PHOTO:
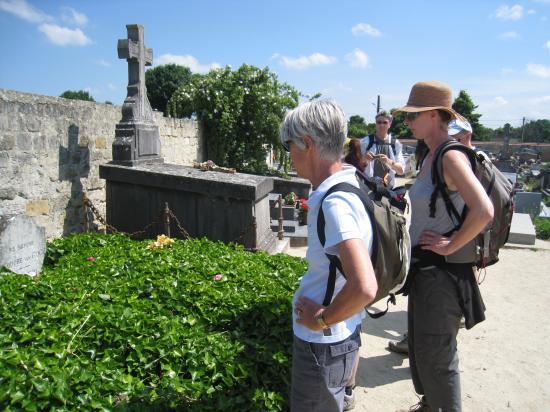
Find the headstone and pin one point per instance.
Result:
(522, 231)
(528, 202)
(136, 135)
(22, 244)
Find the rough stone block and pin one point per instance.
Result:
(7, 141)
(8, 193)
(100, 143)
(24, 141)
(522, 230)
(38, 207)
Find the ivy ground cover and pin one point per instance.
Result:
(113, 325)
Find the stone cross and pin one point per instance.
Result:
(136, 135)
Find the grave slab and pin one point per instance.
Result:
(22, 244)
(522, 230)
(220, 206)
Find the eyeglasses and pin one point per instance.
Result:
(410, 116)
(286, 145)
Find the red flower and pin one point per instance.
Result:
(91, 259)
(303, 203)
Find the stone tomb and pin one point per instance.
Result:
(219, 206)
(22, 245)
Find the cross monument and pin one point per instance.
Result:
(136, 135)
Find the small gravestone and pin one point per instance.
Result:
(22, 245)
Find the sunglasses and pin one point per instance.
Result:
(286, 145)
(410, 116)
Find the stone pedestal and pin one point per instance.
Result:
(220, 206)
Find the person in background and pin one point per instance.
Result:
(384, 154)
(327, 338)
(442, 285)
(462, 131)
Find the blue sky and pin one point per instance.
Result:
(351, 51)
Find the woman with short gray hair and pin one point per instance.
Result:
(327, 329)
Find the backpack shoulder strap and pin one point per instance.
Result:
(392, 144)
(439, 182)
(371, 142)
(334, 261)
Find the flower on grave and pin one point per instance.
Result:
(217, 276)
(91, 259)
(290, 199)
(303, 203)
(161, 242)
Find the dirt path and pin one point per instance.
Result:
(504, 361)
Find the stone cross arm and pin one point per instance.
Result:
(130, 49)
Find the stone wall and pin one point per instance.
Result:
(51, 149)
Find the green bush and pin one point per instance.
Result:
(112, 325)
(542, 228)
(240, 112)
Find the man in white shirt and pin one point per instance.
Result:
(384, 153)
(327, 337)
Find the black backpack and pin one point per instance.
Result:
(391, 243)
(486, 245)
(371, 143)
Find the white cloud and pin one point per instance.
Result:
(71, 16)
(63, 36)
(358, 58)
(111, 87)
(539, 70)
(103, 63)
(186, 60)
(304, 62)
(363, 29)
(500, 101)
(541, 100)
(25, 11)
(531, 11)
(507, 71)
(509, 35)
(509, 13)
(547, 45)
(542, 1)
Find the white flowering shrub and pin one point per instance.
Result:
(240, 112)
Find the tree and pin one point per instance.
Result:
(240, 112)
(464, 105)
(398, 129)
(163, 81)
(77, 95)
(357, 128)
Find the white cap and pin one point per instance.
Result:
(456, 126)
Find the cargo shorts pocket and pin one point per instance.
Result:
(342, 358)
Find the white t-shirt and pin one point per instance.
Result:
(345, 218)
(397, 157)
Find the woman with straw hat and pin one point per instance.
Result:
(442, 282)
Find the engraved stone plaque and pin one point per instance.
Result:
(22, 244)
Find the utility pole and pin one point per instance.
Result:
(522, 129)
(378, 104)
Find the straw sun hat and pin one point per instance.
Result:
(430, 95)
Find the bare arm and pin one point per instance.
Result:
(459, 177)
(359, 290)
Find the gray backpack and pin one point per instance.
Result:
(483, 249)
(391, 246)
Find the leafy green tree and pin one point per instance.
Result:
(536, 131)
(163, 81)
(77, 95)
(464, 105)
(240, 112)
(358, 128)
(398, 129)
